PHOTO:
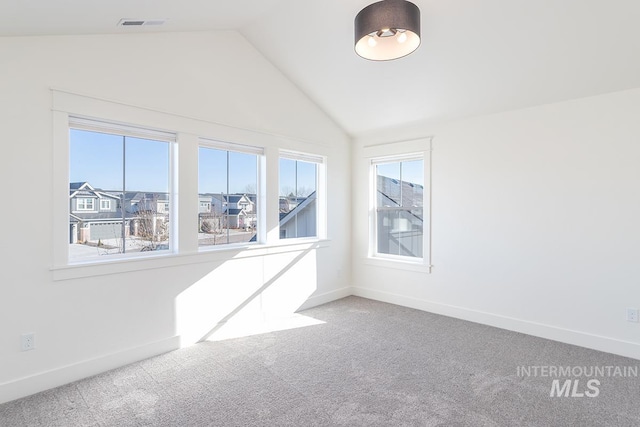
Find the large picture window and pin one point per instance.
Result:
(298, 201)
(227, 194)
(125, 171)
(399, 200)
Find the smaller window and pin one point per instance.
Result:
(84, 205)
(398, 207)
(298, 203)
(105, 205)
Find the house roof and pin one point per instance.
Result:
(392, 192)
(234, 198)
(286, 217)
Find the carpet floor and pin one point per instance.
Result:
(368, 364)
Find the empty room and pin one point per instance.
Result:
(336, 213)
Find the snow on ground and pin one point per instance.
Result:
(82, 252)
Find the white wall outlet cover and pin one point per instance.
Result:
(28, 341)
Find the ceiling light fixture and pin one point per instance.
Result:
(388, 29)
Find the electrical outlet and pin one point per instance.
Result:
(28, 341)
(632, 315)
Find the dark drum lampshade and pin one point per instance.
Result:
(388, 29)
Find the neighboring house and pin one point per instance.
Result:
(301, 221)
(289, 203)
(402, 229)
(204, 204)
(241, 211)
(94, 214)
(97, 215)
(148, 202)
(240, 201)
(236, 218)
(150, 215)
(392, 192)
(220, 211)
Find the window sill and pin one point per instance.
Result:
(399, 264)
(117, 266)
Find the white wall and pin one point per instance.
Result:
(111, 316)
(536, 222)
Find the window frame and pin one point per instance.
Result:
(259, 152)
(321, 201)
(400, 261)
(105, 204)
(184, 205)
(119, 129)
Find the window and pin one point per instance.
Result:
(130, 166)
(398, 207)
(298, 202)
(84, 204)
(227, 194)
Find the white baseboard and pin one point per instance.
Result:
(32, 384)
(26, 386)
(326, 297)
(582, 339)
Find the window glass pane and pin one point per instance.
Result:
(298, 199)
(306, 179)
(400, 232)
(95, 158)
(146, 165)
(399, 214)
(243, 185)
(287, 180)
(227, 199)
(388, 184)
(412, 183)
(147, 194)
(119, 195)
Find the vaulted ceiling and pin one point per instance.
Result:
(477, 57)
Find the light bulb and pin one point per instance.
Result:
(372, 41)
(402, 37)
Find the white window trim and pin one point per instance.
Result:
(115, 128)
(321, 194)
(230, 146)
(105, 204)
(189, 131)
(422, 264)
(120, 129)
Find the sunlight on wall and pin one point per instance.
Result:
(292, 278)
(244, 296)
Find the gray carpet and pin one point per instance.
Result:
(370, 364)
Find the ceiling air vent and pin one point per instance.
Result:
(140, 22)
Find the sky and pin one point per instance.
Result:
(97, 158)
(297, 177)
(212, 171)
(411, 171)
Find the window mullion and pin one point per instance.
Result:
(124, 189)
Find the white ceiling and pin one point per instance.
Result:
(477, 57)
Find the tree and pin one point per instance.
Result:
(150, 227)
